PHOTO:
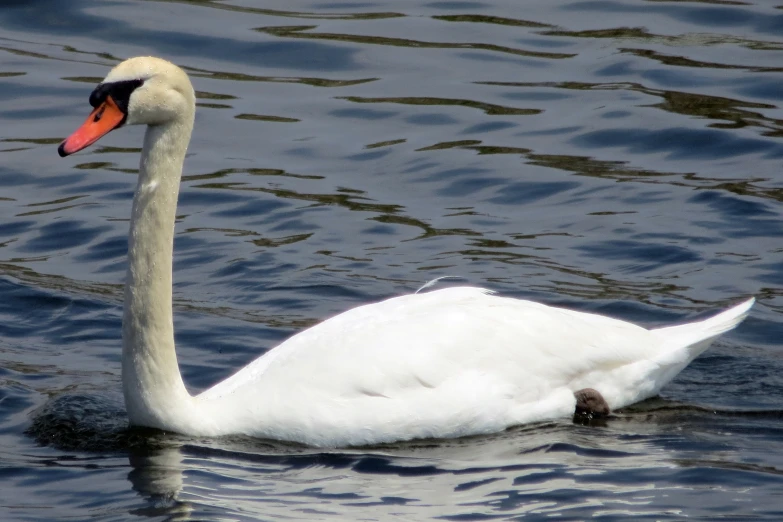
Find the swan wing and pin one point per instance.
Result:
(443, 363)
(425, 339)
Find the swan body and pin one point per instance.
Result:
(447, 363)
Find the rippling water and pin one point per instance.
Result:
(622, 157)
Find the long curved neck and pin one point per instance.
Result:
(154, 392)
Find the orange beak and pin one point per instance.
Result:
(104, 119)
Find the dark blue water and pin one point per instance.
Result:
(616, 157)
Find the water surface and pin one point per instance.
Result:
(620, 157)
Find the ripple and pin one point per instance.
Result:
(63, 235)
(681, 143)
(608, 156)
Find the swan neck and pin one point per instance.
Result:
(155, 394)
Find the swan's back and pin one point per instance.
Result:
(430, 337)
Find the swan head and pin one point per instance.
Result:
(139, 91)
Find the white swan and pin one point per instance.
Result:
(447, 363)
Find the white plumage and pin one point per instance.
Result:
(446, 363)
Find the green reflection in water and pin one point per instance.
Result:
(729, 110)
(297, 31)
(488, 108)
(261, 117)
(37, 141)
(485, 19)
(682, 40)
(449, 145)
(681, 61)
(216, 4)
(241, 77)
(385, 143)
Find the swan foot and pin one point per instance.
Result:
(590, 405)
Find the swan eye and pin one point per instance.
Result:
(119, 91)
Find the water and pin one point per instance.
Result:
(617, 157)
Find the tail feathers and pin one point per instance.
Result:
(708, 329)
(680, 345)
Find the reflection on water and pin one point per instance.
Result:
(618, 157)
(639, 464)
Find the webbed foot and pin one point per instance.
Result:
(590, 404)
